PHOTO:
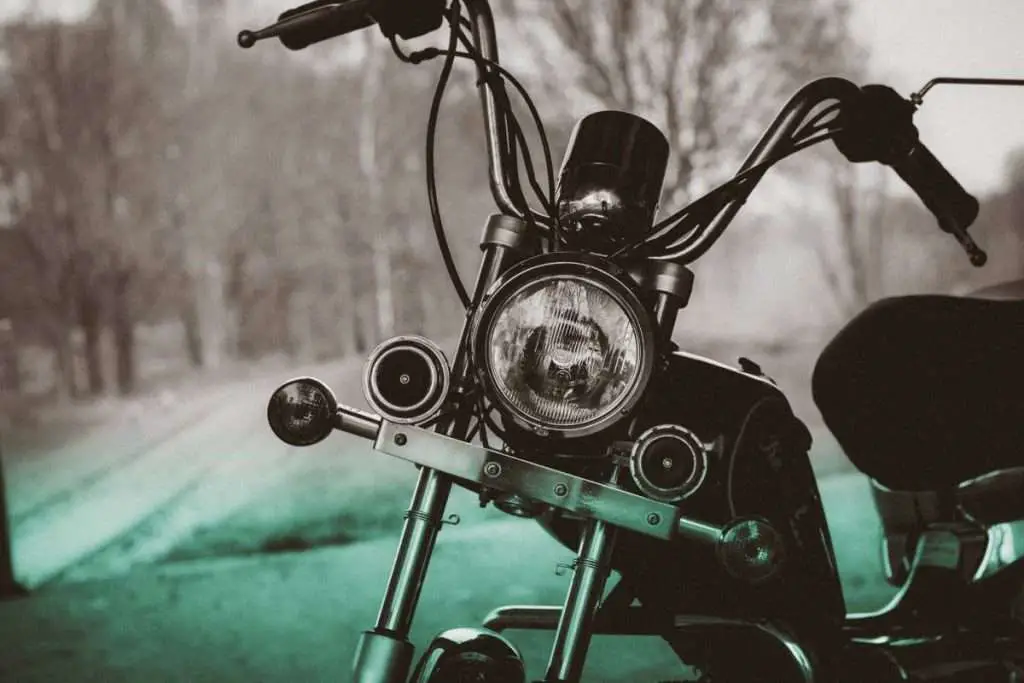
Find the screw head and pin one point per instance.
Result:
(561, 490)
(654, 519)
(492, 469)
(401, 439)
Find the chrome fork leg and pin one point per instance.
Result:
(385, 653)
(575, 626)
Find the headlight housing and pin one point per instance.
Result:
(563, 344)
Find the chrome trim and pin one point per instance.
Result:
(598, 272)
(419, 533)
(722, 366)
(1005, 546)
(697, 449)
(576, 620)
(523, 617)
(440, 376)
(976, 497)
(356, 422)
(796, 651)
(545, 617)
(381, 658)
(504, 472)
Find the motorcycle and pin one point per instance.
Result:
(689, 478)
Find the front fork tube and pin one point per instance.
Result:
(384, 654)
(575, 626)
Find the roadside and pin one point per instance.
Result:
(75, 502)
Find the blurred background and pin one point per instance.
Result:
(184, 225)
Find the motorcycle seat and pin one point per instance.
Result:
(924, 392)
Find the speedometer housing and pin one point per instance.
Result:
(564, 344)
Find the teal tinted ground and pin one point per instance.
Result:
(296, 617)
(219, 483)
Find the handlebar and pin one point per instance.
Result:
(945, 197)
(320, 20)
(877, 126)
(954, 208)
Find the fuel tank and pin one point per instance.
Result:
(758, 465)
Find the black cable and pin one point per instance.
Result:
(717, 198)
(435, 211)
(531, 175)
(534, 114)
(477, 427)
(810, 127)
(517, 136)
(815, 124)
(752, 175)
(515, 129)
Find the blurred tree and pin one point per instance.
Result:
(711, 74)
(1015, 192)
(851, 248)
(707, 72)
(90, 173)
(38, 171)
(136, 46)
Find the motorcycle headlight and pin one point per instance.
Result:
(564, 345)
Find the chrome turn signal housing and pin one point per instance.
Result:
(563, 344)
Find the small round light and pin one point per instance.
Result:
(668, 463)
(302, 412)
(406, 379)
(751, 549)
(564, 344)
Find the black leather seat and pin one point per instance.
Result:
(924, 392)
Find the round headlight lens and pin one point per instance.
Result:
(563, 352)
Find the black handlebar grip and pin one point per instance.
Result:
(317, 21)
(954, 207)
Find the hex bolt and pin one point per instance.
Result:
(401, 439)
(492, 469)
(654, 519)
(561, 490)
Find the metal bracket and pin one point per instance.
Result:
(503, 472)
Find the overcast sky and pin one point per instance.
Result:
(970, 129)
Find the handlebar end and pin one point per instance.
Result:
(246, 39)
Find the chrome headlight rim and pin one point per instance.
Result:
(596, 271)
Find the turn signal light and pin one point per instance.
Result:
(302, 412)
(751, 549)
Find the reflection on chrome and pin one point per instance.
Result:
(1005, 546)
